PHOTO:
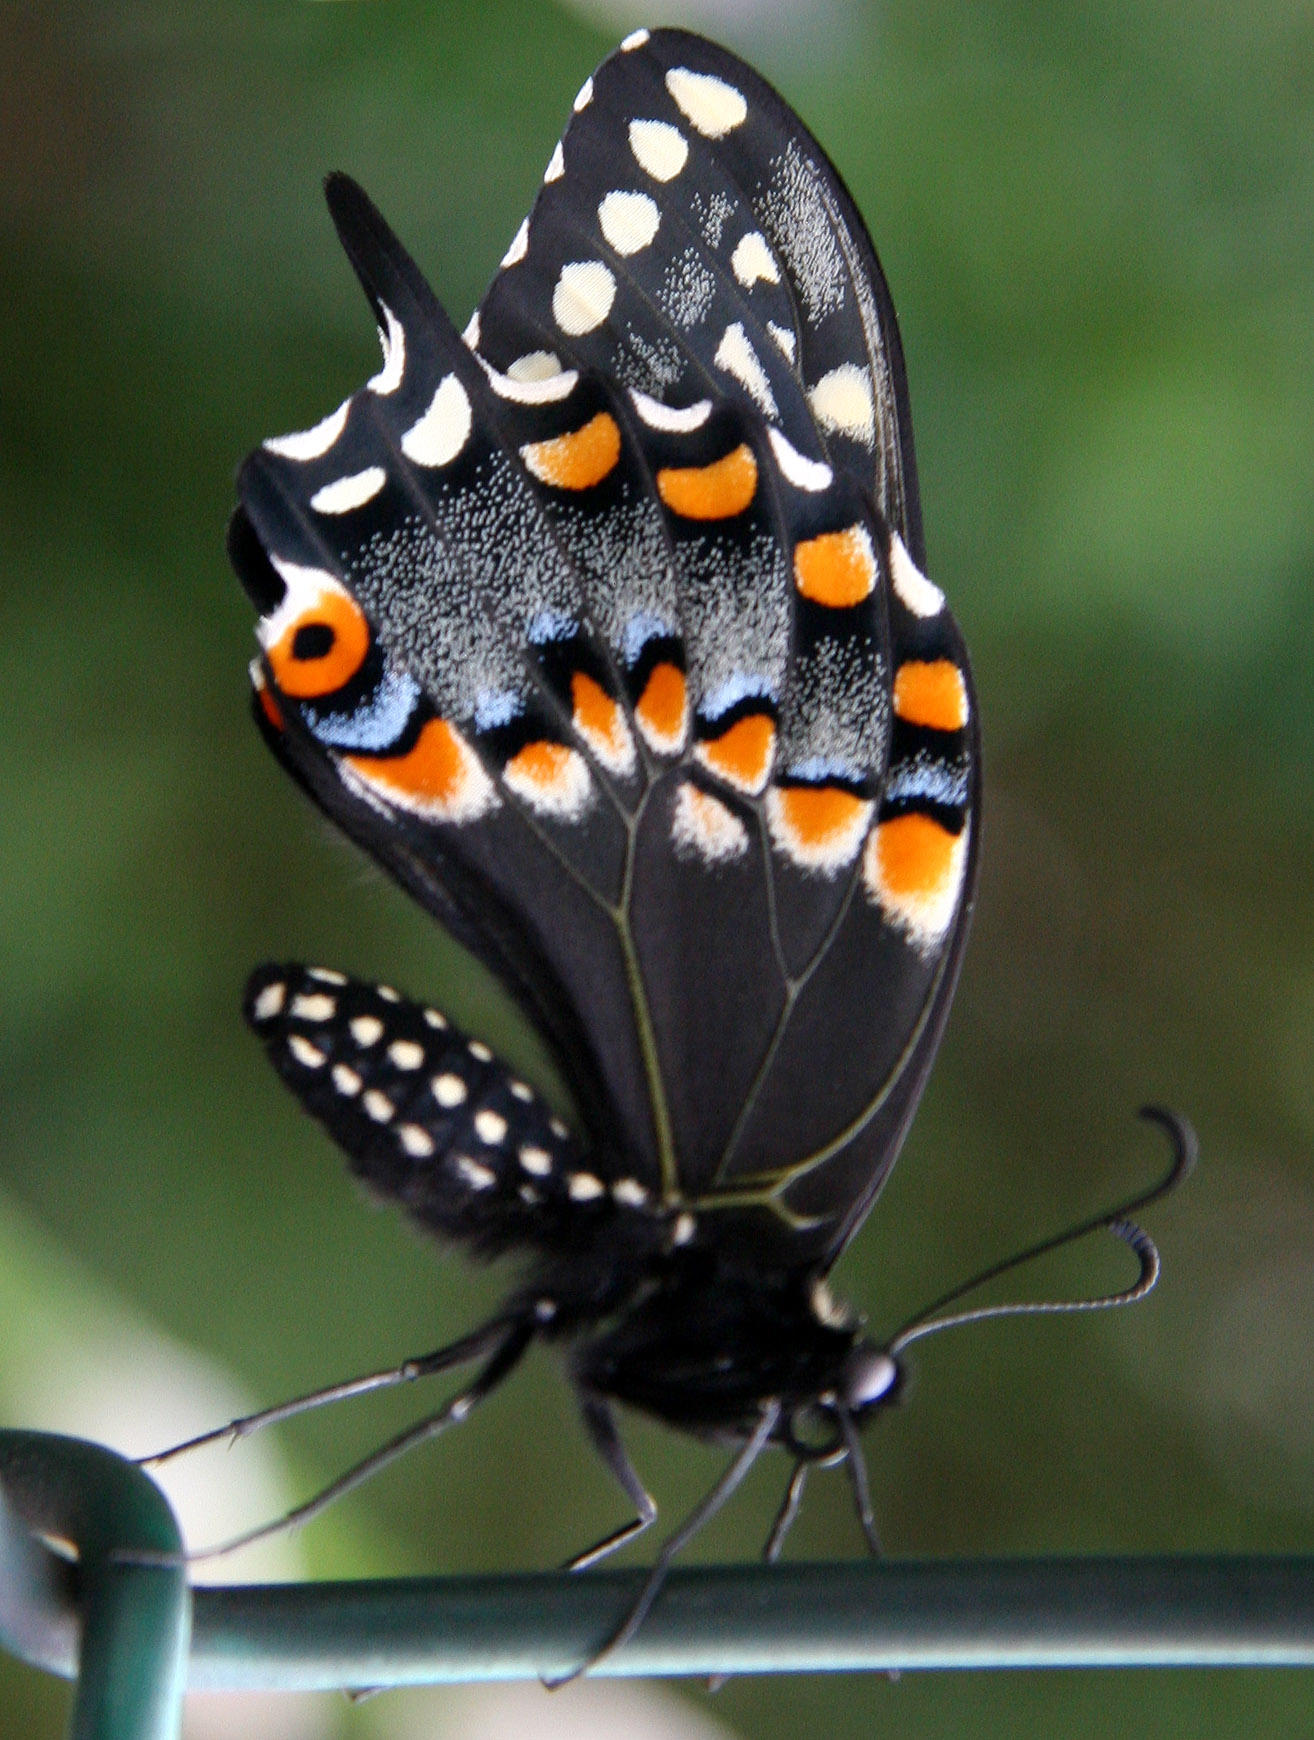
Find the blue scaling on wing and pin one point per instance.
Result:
(604, 626)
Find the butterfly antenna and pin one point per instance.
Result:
(1185, 1148)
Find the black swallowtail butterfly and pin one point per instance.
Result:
(603, 626)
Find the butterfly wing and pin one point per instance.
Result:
(603, 627)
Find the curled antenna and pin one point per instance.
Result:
(1115, 1220)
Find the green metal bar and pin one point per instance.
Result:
(121, 1626)
(1123, 1612)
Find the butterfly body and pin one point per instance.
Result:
(603, 627)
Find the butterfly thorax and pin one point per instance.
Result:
(707, 1346)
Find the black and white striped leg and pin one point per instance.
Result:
(604, 1435)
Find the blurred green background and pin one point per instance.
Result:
(1096, 222)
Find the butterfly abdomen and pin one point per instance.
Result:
(432, 1119)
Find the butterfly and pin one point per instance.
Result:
(604, 627)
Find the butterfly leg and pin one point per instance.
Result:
(701, 1514)
(509, 1339)
(857, 1467)
(604, 1435)
(469, 1347)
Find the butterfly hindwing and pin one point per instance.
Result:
(603, 626)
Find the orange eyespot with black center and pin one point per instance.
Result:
(317, 640)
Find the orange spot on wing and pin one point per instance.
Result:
(821, 816)
(742, 755)
(599, 720)
(441, 775)
(662, 707)
(836, 569)
(335, 621)
(916, 858)
(552, 777)
(931, 692)
(579, 459)
(710, 492)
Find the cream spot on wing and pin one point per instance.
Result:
(521, 1091)
(796, 467)
(536, 1161)
(346, 1080)
(433, 1019)
(535, 365)
(392, 337)
(753, 260)
(405, 1054)
(556, 164)
(737, 357)
(551, 777)
(659, 148)
(671, 419)
(537, 390)
(703, 825)
(918, 594)
(387, 993)
(439, 435)
(784, 338)
(346, 494)
(311, 443)
(635, 39)
(416, 1140)
(366, 1030)
(519, 246)
(314, 1006)
(326, 975)
(629, 1193)
(841, 400)
(684, 1229)
(449, 1090)
(471, 333)
(307, 1055)
(583, 296)
(628, 221)
(584, 96)
(711, 105)
(479, 1051)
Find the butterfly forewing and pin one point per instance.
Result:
(603, 627)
